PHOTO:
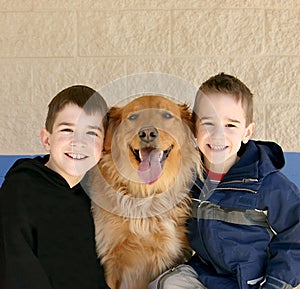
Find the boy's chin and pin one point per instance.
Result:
(215, 163)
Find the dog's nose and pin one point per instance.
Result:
(148, 133)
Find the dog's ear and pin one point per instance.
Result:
(114, 119)
(186, 115)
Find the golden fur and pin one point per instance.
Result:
(140, 227)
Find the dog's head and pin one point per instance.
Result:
(148, 139)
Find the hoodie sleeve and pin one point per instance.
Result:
(282, 199)
(19, 265)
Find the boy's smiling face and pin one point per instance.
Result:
(220, 129)
(75, 144)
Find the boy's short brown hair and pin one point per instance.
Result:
(227, 84)
(83, 96)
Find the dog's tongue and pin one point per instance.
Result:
(150, 168)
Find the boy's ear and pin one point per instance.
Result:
(45, 139)
(248, 133)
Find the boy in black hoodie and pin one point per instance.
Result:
(46, 226)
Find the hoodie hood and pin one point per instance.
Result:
(36, 167)
(271, 155)
(257, 160)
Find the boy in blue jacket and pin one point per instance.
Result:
(245, 228)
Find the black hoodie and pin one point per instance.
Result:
(46, 231)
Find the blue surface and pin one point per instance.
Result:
(6, 161)
(291, 168)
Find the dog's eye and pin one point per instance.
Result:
(134, 116)
(167, 115)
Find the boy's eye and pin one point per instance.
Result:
(207, 123)
(230, 125)
(66, 130)
(93, 133)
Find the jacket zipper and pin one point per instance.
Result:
(245, 180)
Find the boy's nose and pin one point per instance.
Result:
(218, 131)
(78, 140)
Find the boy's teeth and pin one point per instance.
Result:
(76, 156)
(217, 147)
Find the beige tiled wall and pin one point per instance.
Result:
(46, 45)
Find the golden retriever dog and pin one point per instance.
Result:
(140, 190)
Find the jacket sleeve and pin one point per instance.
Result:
(19, 264)
(282, 199)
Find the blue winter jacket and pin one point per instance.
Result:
(246, 231)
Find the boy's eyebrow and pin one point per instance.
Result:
(66, 123)
(94, 127)
(205, 117)
(210, 117)
(72, 124)
(234, 120)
